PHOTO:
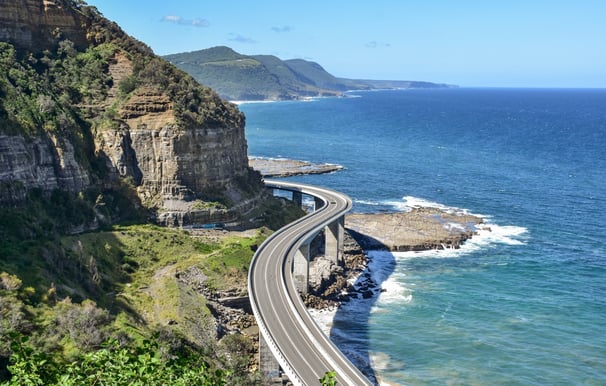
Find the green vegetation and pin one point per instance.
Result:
(70, 293)
(66, 90)
(240, 77)
(258, 77)
(121, 284)
(113, 364)
(80, 295)
(329, 379)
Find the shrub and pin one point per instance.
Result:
(111, 365)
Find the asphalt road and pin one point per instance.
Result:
(304, 352)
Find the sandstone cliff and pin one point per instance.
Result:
(40, 23)
(84, 106)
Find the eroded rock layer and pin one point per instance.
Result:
(176, 142)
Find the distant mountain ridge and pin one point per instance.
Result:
(266, 77)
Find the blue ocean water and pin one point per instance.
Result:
(521, 304)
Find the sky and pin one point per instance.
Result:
(470, 43)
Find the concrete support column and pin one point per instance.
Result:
(268, 364)
(297, 198)
(334, 234)
(301, 268)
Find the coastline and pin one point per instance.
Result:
(363, 273)
(420, 229)
(514, 294)
(370, 241)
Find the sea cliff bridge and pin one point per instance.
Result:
(289, 338)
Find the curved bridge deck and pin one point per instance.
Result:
(303, 351)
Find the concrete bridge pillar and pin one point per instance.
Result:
(334, 234)
(297, 198)
(301, 268)
(268, 364)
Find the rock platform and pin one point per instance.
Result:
(282, 167)
(416, 230)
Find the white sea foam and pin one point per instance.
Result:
(324, 318)
(393, 291)
(384, 271)
(367, 202)
(411, 202)
(383, 362)
(487, 236)
(394, 288)
(248, 102)
(488, 233)
(381, 265)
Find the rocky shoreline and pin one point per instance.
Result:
(334, 284)
(416, 230)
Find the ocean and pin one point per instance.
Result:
(521, 304)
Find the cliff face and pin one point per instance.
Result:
(45, 162)
(39, 23)
(176, 142)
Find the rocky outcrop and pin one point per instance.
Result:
(40, 23)
(416, 230)
(282, 167)
(46, 162)
(174, 164)
(176, 142)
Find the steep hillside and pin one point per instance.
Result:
(240, 77)
(98, 136)
(266, 77)
(85, 108)
(313, 73)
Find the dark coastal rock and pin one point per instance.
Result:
(418, 229)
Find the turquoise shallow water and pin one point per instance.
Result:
(523, 304)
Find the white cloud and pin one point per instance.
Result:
(375, 44)
(241, 39)
(282, 29)
(187, 22)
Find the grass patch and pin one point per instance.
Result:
(227, 267)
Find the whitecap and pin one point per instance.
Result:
(394, 291)
(324, 318)
(367, 202)
(379, 360)
(393, 287)
(385, 363)
(491, 234)
(250, 102)
(381, 265)
(410, 202)
(486, 236)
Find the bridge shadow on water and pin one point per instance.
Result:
(350, 329)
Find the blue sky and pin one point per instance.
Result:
(530, 43)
